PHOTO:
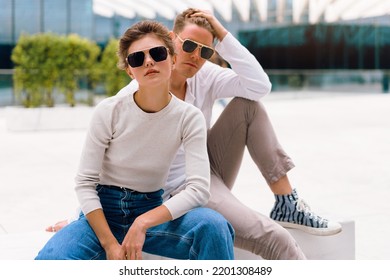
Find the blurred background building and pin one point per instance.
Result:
(299, 42)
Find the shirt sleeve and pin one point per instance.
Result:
(246, 78)
(129, 88)
(195, 191)
(97, 140)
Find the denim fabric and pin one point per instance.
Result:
(201, 234)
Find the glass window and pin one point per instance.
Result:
(6, 31)
(81, 17)
(55, 16)
(27, 17)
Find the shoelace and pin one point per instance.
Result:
(302, 206)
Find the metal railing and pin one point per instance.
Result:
(282, 80)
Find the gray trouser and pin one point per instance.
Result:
(245, 123)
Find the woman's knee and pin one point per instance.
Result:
(214, 224)
(53, 250)
(77, 241)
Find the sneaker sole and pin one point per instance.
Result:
(311, 230)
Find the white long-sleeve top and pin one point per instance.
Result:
(246, 79)
(130, 148)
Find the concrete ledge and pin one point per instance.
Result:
(336, 247)
(25, 246)
(340, 246)
(56, 118)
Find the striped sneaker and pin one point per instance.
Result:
(292, 212)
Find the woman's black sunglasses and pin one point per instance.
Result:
(136, 59)
(189, 46)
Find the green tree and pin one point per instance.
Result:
(78, 59)
(47, 61)
(36, 71)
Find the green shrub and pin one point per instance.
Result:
(36, 71)
(78, 60)
(46, 61)
(295, 81)
(114, 78)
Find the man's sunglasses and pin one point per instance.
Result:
(189, 46)
(136, 59)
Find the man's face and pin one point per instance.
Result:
(188, 64)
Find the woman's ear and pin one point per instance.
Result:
(172, 35)
(128, 71)
(173, 61)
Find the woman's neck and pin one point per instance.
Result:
(152, 100)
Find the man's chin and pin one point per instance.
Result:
(191, 68)
(187, 72)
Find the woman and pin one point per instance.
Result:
(130, 145)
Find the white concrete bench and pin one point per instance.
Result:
(25, 246)
(336, 247)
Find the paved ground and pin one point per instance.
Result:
(340, 143)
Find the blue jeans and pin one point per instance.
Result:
(200, 234)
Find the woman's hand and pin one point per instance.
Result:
(98, 222)
(134, 241)
(135, 238)
(115, 252)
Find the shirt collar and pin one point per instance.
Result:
(190, 97)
